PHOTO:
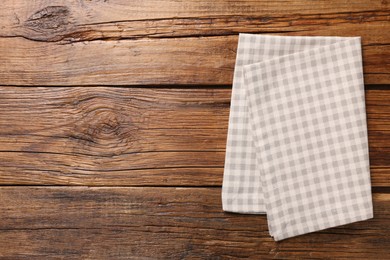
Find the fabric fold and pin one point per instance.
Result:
(297, 146)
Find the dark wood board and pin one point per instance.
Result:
(168, 42)
(135, 136)
(165, 223)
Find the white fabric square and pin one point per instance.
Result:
(297, 145)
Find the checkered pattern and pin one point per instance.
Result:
(297, 142)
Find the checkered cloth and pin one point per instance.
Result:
(297, 145)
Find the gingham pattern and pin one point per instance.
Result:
(297, 140)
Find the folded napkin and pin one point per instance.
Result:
(297, 146)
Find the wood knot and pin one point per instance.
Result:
(49, 19)
(106, 129)
(109, 126)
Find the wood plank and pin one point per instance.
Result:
(65, 21)
(135, 136)
(71, 36)
(122, 223)
(184, 61)
(14, 12)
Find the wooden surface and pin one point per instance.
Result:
(113, 122)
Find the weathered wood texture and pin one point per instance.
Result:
(135, 136)
(117, 43)
(138, 105)
(169, 223)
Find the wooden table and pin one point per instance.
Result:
(113, 122)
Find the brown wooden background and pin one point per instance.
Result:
(113, 122)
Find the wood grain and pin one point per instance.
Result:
(135, 136)
(164, 223)
(113, 43)
(119, 10)
(100, 96)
